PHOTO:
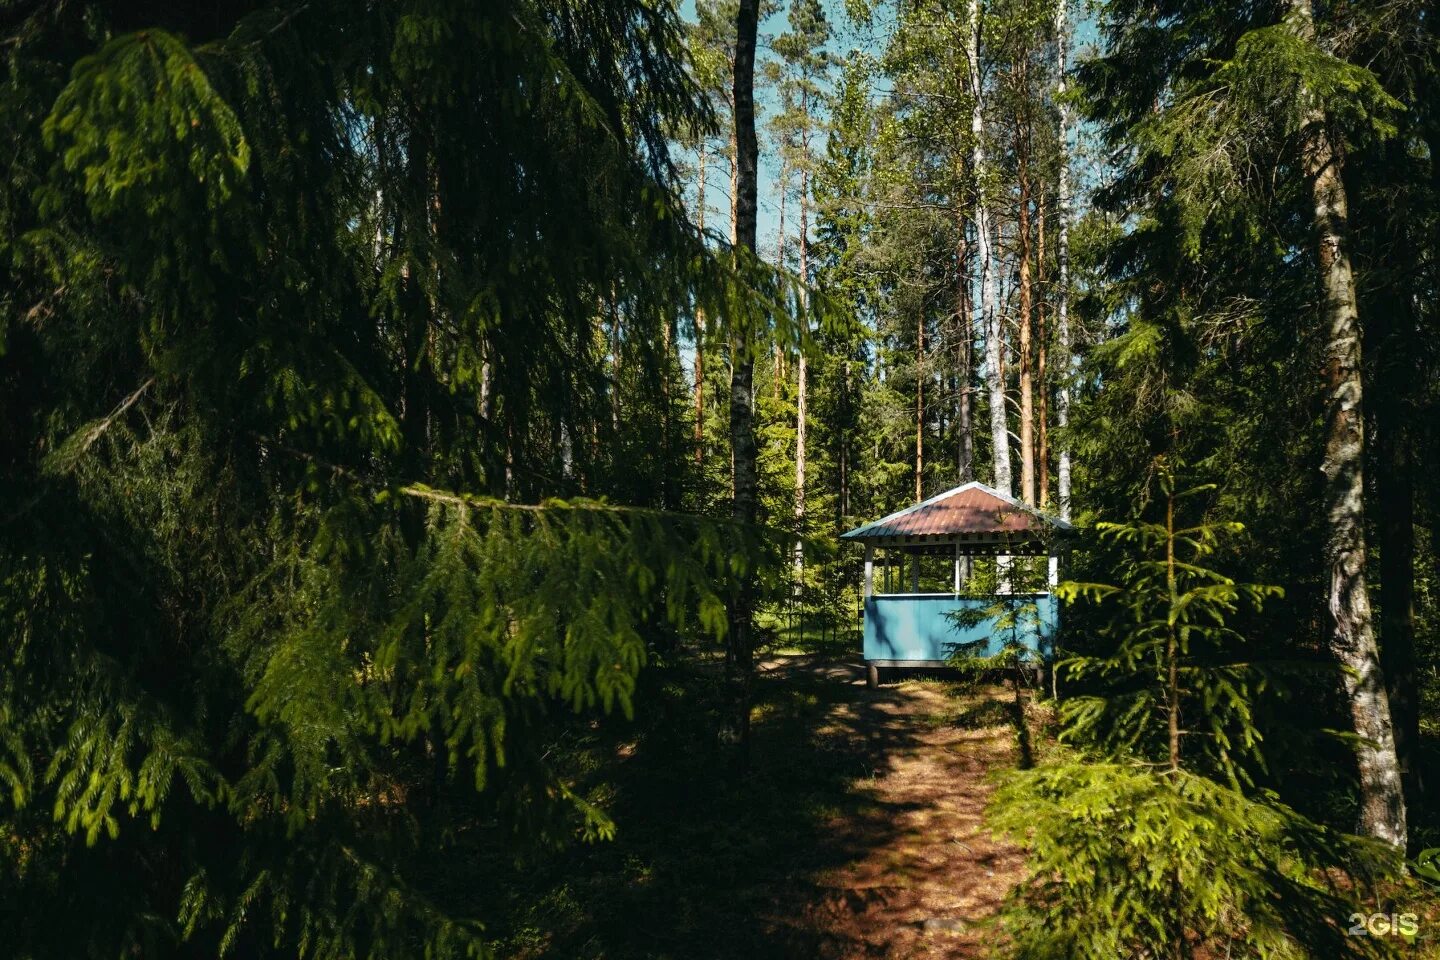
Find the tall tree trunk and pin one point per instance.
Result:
(989, 316)
(802, 365)
(742, 413)
(1042, 350)
(801, 374)
(669, 333)
(700, 337)
(779, 358)
(615, 347)
(1062, 263)
(1382, 801)
(845, 449)
(734, 175)
(919, 406)
(1172, 644)
(1027, 372)
(965, 348)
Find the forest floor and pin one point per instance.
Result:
(918, 873)
(857, 834)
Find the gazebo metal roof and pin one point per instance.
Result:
(972, 511)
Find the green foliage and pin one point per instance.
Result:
(1426, 866)
(1138, 852)
(341, 454)
(1127, 861)
(1169, 608)
(1011, 613)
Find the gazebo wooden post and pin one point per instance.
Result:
(872, 672)
(914, 573)
(957, 568)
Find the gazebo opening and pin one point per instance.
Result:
(940, 576)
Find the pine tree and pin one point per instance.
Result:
(741, 650)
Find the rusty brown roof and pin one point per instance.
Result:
(971, 509)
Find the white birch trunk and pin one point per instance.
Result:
(989, 316)
(1352, 639)
(1062, 255)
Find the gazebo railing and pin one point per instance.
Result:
(928, 628)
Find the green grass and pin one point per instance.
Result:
(794, 634)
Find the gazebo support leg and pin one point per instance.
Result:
(872, 676)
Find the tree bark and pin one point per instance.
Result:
(742, 413)
(802, 365)
(965, 346)
(1027, 373)
(1042, 349)
(779, 358)
(1172, 644)
(1352, 638)
(845, 450)
(1062, 265)
(734, 175)
(919, 406)
(700, 338)
(989, 316)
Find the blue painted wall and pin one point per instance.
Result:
(916, 627)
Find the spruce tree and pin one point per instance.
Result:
(335, 405)
(1155, 841)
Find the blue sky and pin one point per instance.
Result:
(848, 38)
(845, 40)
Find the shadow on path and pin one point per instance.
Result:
(858, 833)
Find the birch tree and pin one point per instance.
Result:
(989, 318)
(1062, 259)
(1382, 810)
(804, 66)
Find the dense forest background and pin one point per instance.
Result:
(402, 403)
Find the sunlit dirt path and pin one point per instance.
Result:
(915, 870)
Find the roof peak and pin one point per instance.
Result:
(901, 522)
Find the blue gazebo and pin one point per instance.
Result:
(920, 628)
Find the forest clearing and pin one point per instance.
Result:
(673, 479)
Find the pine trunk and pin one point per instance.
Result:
(989, 316)
(801, 391)
(1382, 802)
(1027, 373)
(700, 338)
(845, 451)
(801, 377)
(1042, 350)
(1172, 645)
(779, 358)
(742, 414)
(919, 406)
